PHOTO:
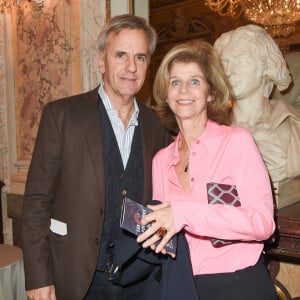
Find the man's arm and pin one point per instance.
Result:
(39, 194)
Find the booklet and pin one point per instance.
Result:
(131, 215)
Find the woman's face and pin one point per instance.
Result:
(244, 68)
(188, 91)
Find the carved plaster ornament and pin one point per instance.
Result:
(254, 64)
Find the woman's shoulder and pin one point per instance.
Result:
(241, 134)
(229, 130)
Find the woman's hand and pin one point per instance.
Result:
(161, 217)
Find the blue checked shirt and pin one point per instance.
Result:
(123, 135)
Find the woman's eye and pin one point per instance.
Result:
(195, 82)
(174, 82)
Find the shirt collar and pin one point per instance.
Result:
(111, 110)
(175, 156)
(210, 127)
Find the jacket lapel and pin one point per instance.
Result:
(89, 118)
(147, 154)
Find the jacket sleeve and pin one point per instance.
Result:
(39, 192)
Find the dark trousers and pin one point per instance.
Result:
(102, 289)
(252, 283)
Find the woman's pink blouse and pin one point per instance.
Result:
(227, 155)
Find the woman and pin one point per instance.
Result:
(192, 94)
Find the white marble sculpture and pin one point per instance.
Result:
(254, 64)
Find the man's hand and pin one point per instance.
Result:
(44, 293)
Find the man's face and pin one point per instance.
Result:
(243, 67)
(124, 64)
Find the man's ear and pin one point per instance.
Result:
(101, 64)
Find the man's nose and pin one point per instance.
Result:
(131, 64)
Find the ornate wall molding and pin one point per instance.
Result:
(93, 16)
(7, 144)
(184, 28)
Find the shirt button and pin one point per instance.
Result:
(124, 193)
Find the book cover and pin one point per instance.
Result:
(131, 215)
(226, 194)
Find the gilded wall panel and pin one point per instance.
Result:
(55, 57)
(44, 52)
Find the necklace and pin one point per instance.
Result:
(186, 167)
(184, 155)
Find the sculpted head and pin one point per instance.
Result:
(250, 54)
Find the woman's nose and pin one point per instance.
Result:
(184, 87)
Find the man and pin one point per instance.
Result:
(91, 151)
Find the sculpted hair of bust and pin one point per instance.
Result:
(265, 48)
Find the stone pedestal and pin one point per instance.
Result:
(284, 255)
(287, 192)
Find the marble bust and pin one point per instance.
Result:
(254, 65)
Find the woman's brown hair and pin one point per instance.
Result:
(208, 60)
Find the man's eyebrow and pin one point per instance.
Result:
(141, 54)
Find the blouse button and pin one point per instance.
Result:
(193, 179)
